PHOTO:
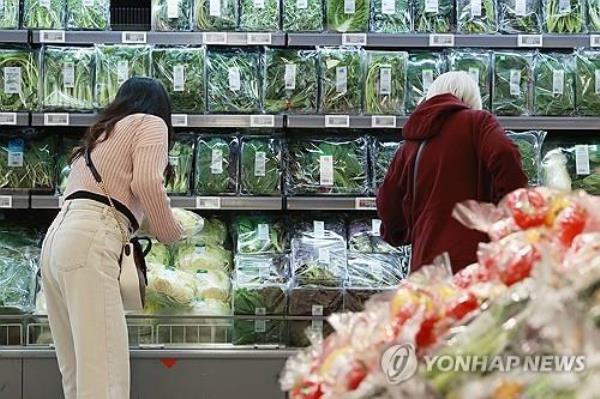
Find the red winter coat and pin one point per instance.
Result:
(466, 155)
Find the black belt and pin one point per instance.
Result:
(102, 199)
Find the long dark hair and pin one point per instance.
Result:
(136, 96)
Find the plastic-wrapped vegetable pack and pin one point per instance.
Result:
(169, 15)
(315, 301)
(385, 82)
(190, 258)
(257, 270)
(520, 16)
(10, 15)
(588, 82)
(88, 14)
(478, 64)
(260, 165)
(434, 16)
(291, 81)
(341, 80)
(382, 154)
(302, 15)
(258, 332)
(43, 14)
(390, 16)
(259, 234)
(233, 79)
(18, 270)
(593, 14)
(260, 299)
(18, 80)
(320, 226)
(216, 15)
(375, 270)
(364, 237)
(181, 71)
(213, 233)
(216, 165)
(63, 168)
(554, 88)
(476, 16)
(181, 156)
(67, 78)
(423, 68)
(573, 166)
(530, 147)
(513, 75)
(259, 15)
(330, 167)
(115, 64)
(319, 261)
(348, 15)
(564, 16)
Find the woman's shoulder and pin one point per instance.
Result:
(145, 129)
(145, 120)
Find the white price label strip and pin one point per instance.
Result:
(441, 40)
(258, 38)
(354, 39)
(262, 121)
(214, 38)
(134, 38)
(383, 121)
(56, 119)
(179, 120)
(337, 121)
(52, 36)
(594, 40)
(366, 203)
(6, 201)
(208, 203)
(530, 41)
(8, 118)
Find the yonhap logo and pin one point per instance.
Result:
(399, 363)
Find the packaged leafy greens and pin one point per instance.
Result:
(18, 80)
(530, 147)
(259, 234)
(478, 64)
(593, 12)
(435, 16)
(364, 237)
(259, 15)
(355, 298)
(233, 79)
(572, 166)
(318, 328)
(520, 16)
(588, 82)
(341, 80)
(258, 332)
(260, 165)
(9, 19)
(67, 78)
(43, 14)
(256, 270)
(390, 16)
(115, 64)
(375, 270)
(181, 156)
(63, 167)
(260, 299)
(88, 14)
(318, 261)
(476, 16)
(382, 154)
(512, 80)
(423, 68)
(181, 71)
(319, 225)
(554, 88)
(302, 15)
(216, 15)
(385, 83)
(564, 16)
(172, 15)
(333, 167)
(314, 301)
(348, 15)
(18, 270)
(291, 81)
(216, 165)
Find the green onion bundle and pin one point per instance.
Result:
(520, 16)
(43, 14)
(348, 15)
(554, 88)
(588, 82)
(172, 15)
(216, 15)
(88, 14)
(259, 15)
(391, 16)
(511, 83)
(434, 16)
(216, 165)
(18, 80)
(476, 16)
(564, 16)
(260, 166)
(385, 82)
(341, 80)
(181, 156)
(9, 18)
(423, 68)
(302, 15)
(27, 163)
(478, 64)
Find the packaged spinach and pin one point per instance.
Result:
(43, 14)
(9, 18)
(476, 16)
(319, 261)
(259, 332)
(302, 15)
(18, 80)
(348, 15)
(260, 165)
(172, 15)
(216, 15)
(216, 165)
(260, 299)
(390, 16)
(520, 16)
(478, 64)
(434, 16)
(259, 234)
(385, 83)
(315, 301)
(259, 15)
(181, 156)
(262, 270)
(382, 154)
(513, 75)
(554, 87)
(588, 82)
(364, 237)
(88, 14)
(341, 80)
(564, 16)
(530, 146)
(423, 68)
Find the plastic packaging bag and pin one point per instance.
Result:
(315, 301)
(382, 155)
(476, 16)
(18, 272)
(364, 236)
(319, 261)
(258, 332)
(320, 226)
(88, 14)
(513, 75)
(385, 82)
(18, 80)
(478, 64)
(43, 14)
(260, 165)
(593, 14)
(259, 235)
(115, 64)
(390, 16)
(213, 233)
(291, 81)
(172, 15)
(564, 16)
(356, 298)
(10, 15)
(257, 270)
(181, 156)
(348, 15)
(260, 299)
(191, 258)
(259, 15)
(341, 80)
(554, 88)
(303, 15)
(181, 71)
(212, 284)
(530, 147)
(573, 167)
(588, 82)
(216, 15)
(520, 16)
(216, 165)
(234, 81)
(434, 16)
(423, 69)
(67, 77)
(375, 270)
(332, 167)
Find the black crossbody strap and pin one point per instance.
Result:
(91, 167)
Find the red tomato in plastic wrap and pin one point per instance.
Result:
(463, 306)
(472, 274)
(426, 336)
(519, 266)
(528, 207)
(570, 222)
(307, 390)
(356, 376)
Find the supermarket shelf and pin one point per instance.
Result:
(228, 203)
(46, 201)
(14, 201)
(259, 121)
(14, 36)
(351, 121)
(14, 118)
(550, 123)
(232, 352)
(331, 203)
(62, 119)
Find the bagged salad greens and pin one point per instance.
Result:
(530, 147)
(257, 270)
(216, 165)
(67, 78)
(9, 19)
(355, 298)
(476, 16)
(327, 166)
(314, 301)
(88, 14)
(258, 332)
(302, 15)
(320, 226)
(291, 81)
(259, 234)
(260, 165)
(233, 79)
(554, 88)
(390, 16)
(588, 82)
(214, 233)
(216, 15)
(478, 64)
(423, 68)
(115, 64)
(382, 154)
(18, 80)
(181, 71)
(259, 15)
(43, 14)
(564, 16)
(385, 82)
(259, 299)
(341, 80)
(573, 167)
(181, 156)
(319, 261)
(513, 75)
(172, 15)
(375, 270)
(435, 16)
(348, 15)
(520, 16)
(593, 14)
(364, 237)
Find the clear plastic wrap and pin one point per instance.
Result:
(216, 15)
(260, 299)
(513, 76)
(364, 236)
(573, 166)
(356, 298)
(478, 64)
(375, 270)
(320, 226)
(588, 82)
(216, 165)
(341, 80)
(348, 15)
(520, 16)
(564, 16)
(172, 15)
(260, 165)
(67, 78)
(258, 270)
(181, 71)
(554, 87)
(385, 82)
(319, 261)
(390, 16)
(213, 233)
(259, 234)
(382, 154)
(331, 167)
(115, 64)
(234, 81)
(259, 15)
(435, 16)
(258, 332)
(43, 14)
(315, 301)
(423, 68)
(181, 156)
(530, 147)
(291, 81)
(476, 16)
(191, 258)
(18, 270)
(302, 333)
(88, 14)
(593, 15)
(18, 80)
(303, 15)
(10, 15)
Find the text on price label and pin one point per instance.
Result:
(366, 203)
(5, 201)
(208, 203)
(56, 119)
(214, 38)
(134, 38)
(383, 121)
(262, 121)
(594, 40)
(179, 120)
(354, 39)
(441, 40)
(8, 118)
(52, 36)
(530, 41)
(258, 38)
(337, 121)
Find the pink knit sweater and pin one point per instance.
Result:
(132, 162)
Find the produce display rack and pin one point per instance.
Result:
(14, 36)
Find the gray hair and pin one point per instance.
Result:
(459, 83)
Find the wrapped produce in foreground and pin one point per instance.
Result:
(554, 86)
(181, 156)
(513, 76)
(216, 165)
(385, 82)
(341, 74)
(302, 15)
(573, 166)
(530, 148)
(88, 14)
(18, 80)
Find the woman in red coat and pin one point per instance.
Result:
(453, 151)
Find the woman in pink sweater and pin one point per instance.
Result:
(128, 145)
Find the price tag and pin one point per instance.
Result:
(262, 121)
(12, 80)
(441, 40)
(5, 201)
(179, 77)
(319, 228)
(133, 38)
(208, 203)
(68, 75)
(427, 77)
(349, 6)
(564, 6)
(172, 9)
(366, 203)
(337, 121)
(521, 8)
(594, 40)
(385, 80)
(122, 71)
(263, 232)
(216, 161)
(302, 4)
(260, 326)
(88, 3)
(383, 121)
(354, 39)
(474, 73)
(45, 3)
(215, 8)
(432, 6)
(260, 163)
(259, 4)
(476, 8)
(235, 82)
(258, 38)
(317, 310)
(324, 256)
(15, 153)
(388, 7)
(56, 119)
(61, 201)
(341, 79)
(52, 36)
(515, 82)
(317, 327)
(214, 37)
(582, 159)
(558, 81)
(289, 76)
(376, 227)
(530, 41)
(8, 118)
(326, 170)
(179, 120)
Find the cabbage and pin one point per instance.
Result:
(191, 222)
(212, 307)
(212, 284)
(169, 290)
(159, 254)
(213, 233)
(191, 258)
